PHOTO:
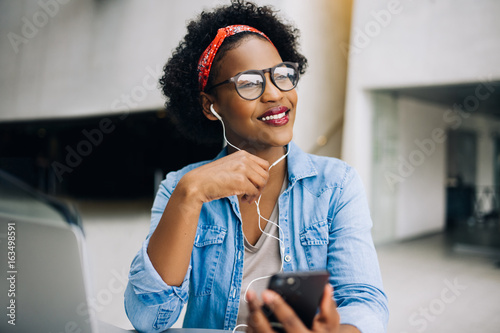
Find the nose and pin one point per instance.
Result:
(271, 92)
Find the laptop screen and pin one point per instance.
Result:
(44, 282)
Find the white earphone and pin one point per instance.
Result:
(223, 127)
(257, 203)
(214, 113)
(229, 143)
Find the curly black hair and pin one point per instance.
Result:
(179, 82)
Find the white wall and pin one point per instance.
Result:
(324, 25)
(421, 202)
(407, 43)
(99, 57)
(84, 60)
(408, 175)
(384, 158)
(425, 43)
(408, 167)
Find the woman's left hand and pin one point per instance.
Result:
(327, 320)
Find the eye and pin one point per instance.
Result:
(248, 84)
(248, 81)
(280, 76)
(284, 73)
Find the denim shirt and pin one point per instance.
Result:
(326, 225)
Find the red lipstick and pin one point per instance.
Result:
(277, 116)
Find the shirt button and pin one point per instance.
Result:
(288, 258)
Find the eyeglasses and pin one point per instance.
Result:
(251, 84)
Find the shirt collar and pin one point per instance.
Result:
(300, 164)
(221, 154)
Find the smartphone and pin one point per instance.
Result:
(302, 291)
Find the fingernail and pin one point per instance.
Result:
(250, 295)
(268, 297)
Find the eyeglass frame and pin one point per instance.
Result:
(262, 72)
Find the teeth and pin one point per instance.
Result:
(275, 116)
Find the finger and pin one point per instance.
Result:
(257, 321)
(253, 171)
(254, 185)
(257, 176)
(283, 312)
(254, 304)
(262, 172)
(250, 193)
(241, 184)
(248, 177)
(328, 314)
(264, 164)
(327, 302)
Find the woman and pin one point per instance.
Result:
(262, 205)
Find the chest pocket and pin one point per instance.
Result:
(314, 240)
(206, 253)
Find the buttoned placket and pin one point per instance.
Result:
(233, 303)
(284, 235)
(231, 316)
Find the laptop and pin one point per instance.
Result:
(44, 275)
(45, 282)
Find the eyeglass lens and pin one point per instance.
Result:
(251, 85)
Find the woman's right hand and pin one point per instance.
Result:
(239, 173)
(171, 244)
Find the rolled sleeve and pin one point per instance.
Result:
(148, 284)
(353, 262)
(150, 303)
(365, 321)
(364, 307)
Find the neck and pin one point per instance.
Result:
(270, 154)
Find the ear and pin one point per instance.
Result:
(206, 100)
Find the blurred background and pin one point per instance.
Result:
(406, 91)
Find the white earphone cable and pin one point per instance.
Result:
(257, 203)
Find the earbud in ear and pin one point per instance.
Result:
(214, 113)
(223, 127)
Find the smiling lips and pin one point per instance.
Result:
(276, 116)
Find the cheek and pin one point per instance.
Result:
(230, 104)
(292, 97)
(239, 110)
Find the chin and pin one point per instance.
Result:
(283, 140)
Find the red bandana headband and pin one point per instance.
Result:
(206, 59)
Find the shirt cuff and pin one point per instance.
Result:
(365, 321)
(148, 284)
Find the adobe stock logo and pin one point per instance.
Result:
(95, 136)
(89, 309)
(452, 118)
(31, 27)
(420, 319)
(74, 157)
(362, 37)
